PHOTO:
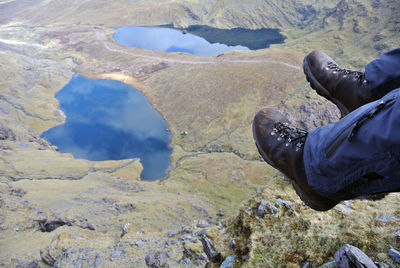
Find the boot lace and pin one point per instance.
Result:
(360, 76)
(290, 134)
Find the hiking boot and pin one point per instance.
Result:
(346, 88)
(282, 146)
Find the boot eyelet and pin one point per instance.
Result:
(273, 133)
(287, 144)
(279, 139)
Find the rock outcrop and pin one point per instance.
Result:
(277, 230)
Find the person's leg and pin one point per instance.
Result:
(383, 73)
(358, 155)
(351, 89)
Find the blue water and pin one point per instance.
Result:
(170, 40)
(109, 120)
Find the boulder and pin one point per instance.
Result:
(388, 218)
(349, 256)
(6, 133)
(47, 257)
(265, 207)
(228, 262)
(394, 254)
(156, 259)
(284, 203)
(208, 248)
(203, 224)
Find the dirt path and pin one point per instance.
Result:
(107, 46)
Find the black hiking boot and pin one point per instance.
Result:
(346, 88)
(282, 146)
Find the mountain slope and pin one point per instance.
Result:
(218, 13)
(215, 167)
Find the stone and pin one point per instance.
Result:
(33, 264)
(89, 226)
(346, 209)
(187, 230)
(228, 262)
(261, 209)
(394, 254)
(350, 256)
(125, 207)
(381, 47)
(208, 248)
(81, 222)
(307, 265)
(284, 203)
(186, 261)
(382, 265)
(220, 214)
(202, 224)
(264, 207)
(272, 208)
(6, 133)
(116, 254)
(388, 218)
(203, 232)
(156, 259)
(185, 238)
(330, 264)
(377, 38)
(232, 244)
(174, 233)
(46, 257)
(397, 233)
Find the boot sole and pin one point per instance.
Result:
(323, 91)
(319, 205)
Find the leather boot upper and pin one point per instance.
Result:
(343, 87)
(282, 146)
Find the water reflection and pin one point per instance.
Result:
(253, 39)
(169, 40)
(108, 120)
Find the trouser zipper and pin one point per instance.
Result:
(350, 132)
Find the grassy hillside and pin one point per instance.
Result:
(218, 13)
(215, 167)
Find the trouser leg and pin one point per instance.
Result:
(340, 167)
(383, 73)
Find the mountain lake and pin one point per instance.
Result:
(109, 120)
(199, 40)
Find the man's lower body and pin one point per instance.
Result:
(360, 154)
(356, 156)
